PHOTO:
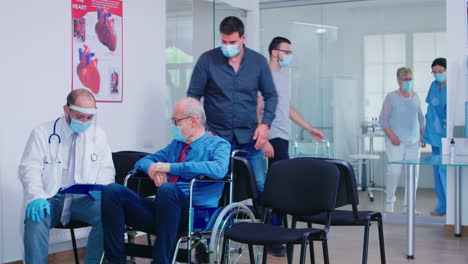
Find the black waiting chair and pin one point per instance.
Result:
(348, 195)
(74, 224)
(124, 162)
(299, 187)
(245, 186)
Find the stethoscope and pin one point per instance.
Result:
(94, 157)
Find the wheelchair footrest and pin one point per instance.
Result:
(141, 251)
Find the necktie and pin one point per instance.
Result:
(182, 156)
(66, 211)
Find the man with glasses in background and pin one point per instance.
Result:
(277, 147)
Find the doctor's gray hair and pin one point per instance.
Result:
(402, 72)
(193, 107)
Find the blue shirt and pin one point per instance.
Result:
(436, 117)
(230, 98)
(208, 155)
(403, 116)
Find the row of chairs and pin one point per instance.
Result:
(329, 184)
(309, 189)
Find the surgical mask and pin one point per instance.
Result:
(286, 61)
(176, 132)
(78, 126)
(440, 77)
(407, 86)
(230, 50)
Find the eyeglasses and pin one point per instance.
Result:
(407, 80)
(434, 73)
(174, 121)
(288, 52)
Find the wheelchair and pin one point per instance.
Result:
(205, 225)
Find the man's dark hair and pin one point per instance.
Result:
(230, 25)
(441, 62)
(73, 95)
(275, 43)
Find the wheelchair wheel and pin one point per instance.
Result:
(233, 213)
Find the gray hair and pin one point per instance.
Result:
(193, 107)
(402, 72)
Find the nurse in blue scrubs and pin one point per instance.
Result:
(436, 123)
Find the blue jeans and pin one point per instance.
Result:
(164, 216)
(440, 182)
(281, 149)
(83, 208)
(256, 160)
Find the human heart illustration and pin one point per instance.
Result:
(87, 70)
(105, 29)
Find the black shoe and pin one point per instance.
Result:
(201, 254)
(277, 250)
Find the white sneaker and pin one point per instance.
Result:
(416, 212)
(388, 207)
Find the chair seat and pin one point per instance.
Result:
(262, 234)
(343, 217)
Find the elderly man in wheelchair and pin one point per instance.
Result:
(193, 152)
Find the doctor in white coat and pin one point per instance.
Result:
(57, 155)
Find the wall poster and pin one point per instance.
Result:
(97, 52)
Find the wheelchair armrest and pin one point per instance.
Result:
(135, 174)
(205, 178)
(238, 152)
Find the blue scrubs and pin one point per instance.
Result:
(436, 121)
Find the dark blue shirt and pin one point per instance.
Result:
(208, 155)
(230, 98)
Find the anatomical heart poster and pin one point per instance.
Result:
(97, 52)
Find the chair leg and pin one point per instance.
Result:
(289, 252)
(265, 254)
(311, 250)
(251, 254)
(326, 258)
(303, 252)
(366, 243)
(75, 249)
(381, 241)
(148, 237)
(285, 220)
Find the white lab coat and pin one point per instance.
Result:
(41, 173)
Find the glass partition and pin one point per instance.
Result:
(345, 60)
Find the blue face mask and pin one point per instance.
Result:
(177, 133)
(230, 50)
(78, 126)
(407, 86)
(286, 61)
(440, 77)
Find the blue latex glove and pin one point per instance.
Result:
(36, 208)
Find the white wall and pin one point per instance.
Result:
(35, 75)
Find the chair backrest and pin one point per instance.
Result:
(301, 186)
(245, 186)
(347, 189)
(124, 161)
